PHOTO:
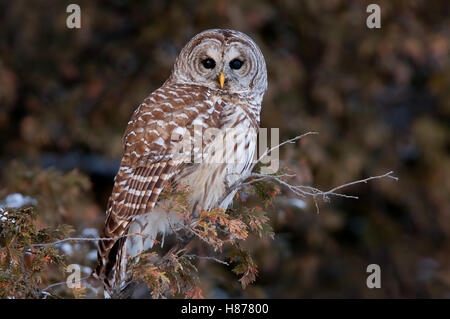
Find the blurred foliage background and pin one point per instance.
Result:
(380, 99)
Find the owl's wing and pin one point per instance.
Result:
(148, 160)
(148, 163)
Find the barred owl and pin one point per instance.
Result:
(217, 83)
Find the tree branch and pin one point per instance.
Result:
(86, 239)
(208, 258)
(299, 190)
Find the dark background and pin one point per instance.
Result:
(380, 99)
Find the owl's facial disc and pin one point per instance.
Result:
(230, 62)
(226, 66)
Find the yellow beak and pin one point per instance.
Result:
(221, 79)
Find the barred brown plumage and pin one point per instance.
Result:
(190, 103)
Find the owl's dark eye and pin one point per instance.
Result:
(209, 63)
(236, 64)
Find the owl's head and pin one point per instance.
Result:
(225, 60)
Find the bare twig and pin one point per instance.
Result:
(388, 174)
(86, 239)
(304, 191)
(207, 258)
(63, 283)
(241, 181)
(299, 190)
(46, 294)
(292, 140)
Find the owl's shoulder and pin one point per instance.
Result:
(169, 109)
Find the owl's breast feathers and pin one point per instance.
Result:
(148, 162)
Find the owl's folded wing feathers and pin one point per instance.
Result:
(148, 159)
(148, 163)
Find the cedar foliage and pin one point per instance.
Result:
(31, 258)
(24, 267)
(221, 231)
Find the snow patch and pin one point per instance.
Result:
(17, 201)
(92, 255)
(298, 203)
(90, 232)
(67, 248)
(86, 270)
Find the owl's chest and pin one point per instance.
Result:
(226, 154)
(229, 140)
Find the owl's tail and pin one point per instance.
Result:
(111, 254)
